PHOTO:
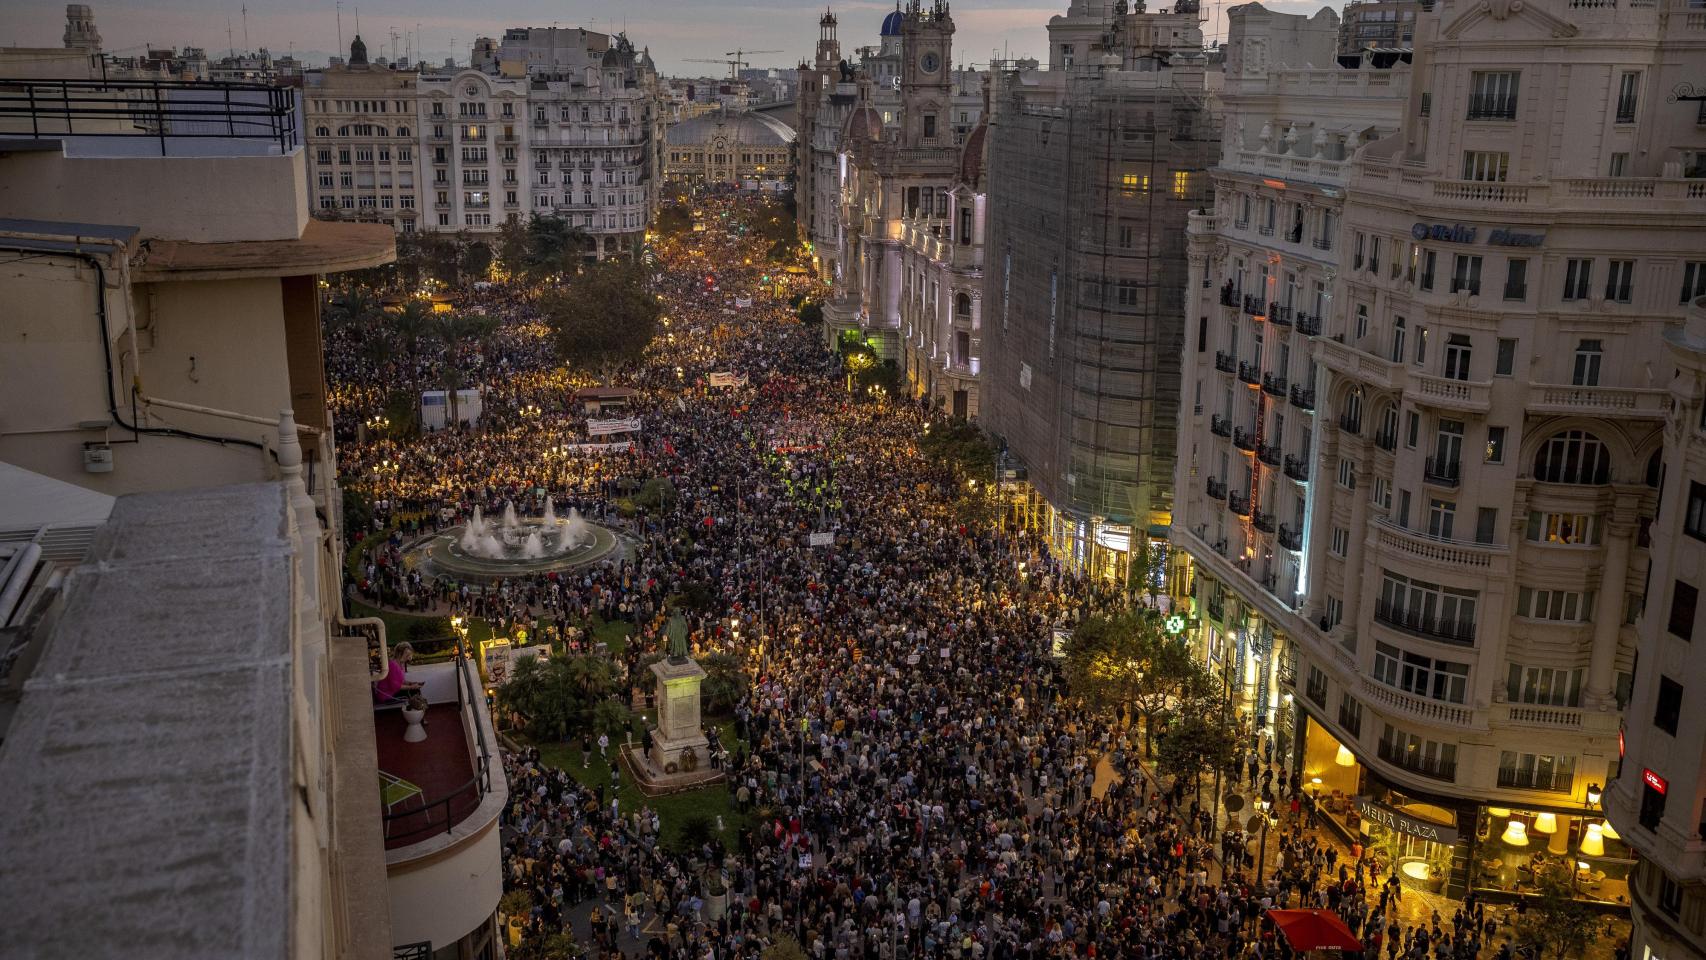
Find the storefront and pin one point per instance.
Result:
(1452, 845)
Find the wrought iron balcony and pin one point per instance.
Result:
(1351, 720)
(1308, 325)
(1243, 440)
(1216, 489)
(1290, 539)
(1225, 362)
(1424, 624)
(1253, 305)
(1229, 295)
(1262, 521)
(1297, 468)
(1219, 426)
(1302, 399)
(1268, 453)
(1279, 314)
(1274, 385)
(1550, 781)
(1238, 503)
(1441, 472)
(1387, 440)
(1249, 373)
(1492, 107)
(1350, 424)
(1413, 760)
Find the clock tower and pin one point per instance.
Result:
(926, 87)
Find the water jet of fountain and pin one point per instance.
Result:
(575, 532)
(533, 548)
(550, 513)
(510, 522)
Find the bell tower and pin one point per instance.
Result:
(828, 48)
(926, 82)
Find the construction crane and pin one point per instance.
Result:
(736, 60)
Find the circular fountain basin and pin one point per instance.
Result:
(442, 554)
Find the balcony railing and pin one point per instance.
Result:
(1297, 468)
(1423, 708)
(1250, 374)
(1219, 426)
(1459, 555)
(1563, 400)
(162, 110)
(1350, 424)
(1238, 503)
(1216, 489)
(1350, 720)
(1274, 385)
(441, 814)
(1492, 107)
(1549, 781)
(1387, 440)
(1442, 472)
(1262, 521)
(1268, 454)
(1279, 314)
(1253, 305)
(1243, 440)
(1225, 362)
(1425, 624)
(1308, 324)
(1302, 399)
(1290, 539)
(1415, 761)
(1228, 295)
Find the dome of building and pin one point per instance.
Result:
(749, 129)
(864, 123)
(892, 22)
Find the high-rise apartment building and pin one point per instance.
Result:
(1441, 563)
(171, 554)
(1093, 166)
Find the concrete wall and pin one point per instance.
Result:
(200, 199)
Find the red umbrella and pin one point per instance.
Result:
(1315, 930)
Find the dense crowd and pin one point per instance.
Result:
(919, 784)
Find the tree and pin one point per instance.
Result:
(673, 221)
(554, 246)
(811, 314)
(413, 327)
(1127, 659)
(512, 245)
(604, 319)
(455, 331)
(725, 682)
(1200, 741)
(476, 257)
(1556, 920)
(962, 446)
(545, 693)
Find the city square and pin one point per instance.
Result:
(1232, 485)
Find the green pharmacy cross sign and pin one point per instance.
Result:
(1175, 625)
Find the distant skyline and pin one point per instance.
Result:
(677, 32)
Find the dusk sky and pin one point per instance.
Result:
(676, 30)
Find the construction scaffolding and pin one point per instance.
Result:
(1092, 174)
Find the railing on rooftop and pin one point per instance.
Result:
(436, 815)
(159, 109)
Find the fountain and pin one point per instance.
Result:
(511, 545)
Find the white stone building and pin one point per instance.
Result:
(1445, 570)
(363, 142)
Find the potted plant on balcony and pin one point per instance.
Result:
(515, 907)
(414, 711)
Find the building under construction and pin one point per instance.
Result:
(1093, 166)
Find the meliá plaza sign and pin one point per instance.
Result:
(1380, 813)
(1458, 233)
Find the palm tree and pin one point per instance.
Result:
(455, 331)
(412, 327)
(554, 245)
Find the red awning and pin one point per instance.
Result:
(1315, 930)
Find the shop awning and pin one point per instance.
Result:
(1315, 930)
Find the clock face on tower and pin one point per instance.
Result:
(929, 62)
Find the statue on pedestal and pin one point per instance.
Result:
(679, 747)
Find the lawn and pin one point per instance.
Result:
(716, 801)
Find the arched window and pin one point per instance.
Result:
(1574, 456)
(343, 131)
(322, 131)
(402, 131)
(1351, 419)
(962, 306)
(380, 132)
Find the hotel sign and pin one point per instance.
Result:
(1403, 823)
(1458, 233)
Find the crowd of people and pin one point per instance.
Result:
(919, 785)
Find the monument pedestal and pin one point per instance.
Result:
(680, 757)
